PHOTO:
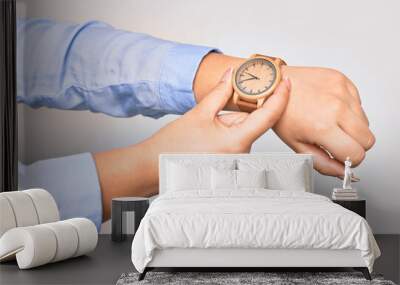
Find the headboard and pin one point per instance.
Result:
(165, 158)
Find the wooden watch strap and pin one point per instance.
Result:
(276, 59)
(245, 106)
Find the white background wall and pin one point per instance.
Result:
(360, 38)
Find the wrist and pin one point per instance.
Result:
(128, 171)
(209, 73)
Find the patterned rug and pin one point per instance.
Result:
(244, 278)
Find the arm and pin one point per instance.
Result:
(71, 180)
(93, 66)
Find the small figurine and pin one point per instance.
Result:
(348, 175)
(346, 192)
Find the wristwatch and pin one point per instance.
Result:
(255, 80)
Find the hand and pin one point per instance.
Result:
(133, 170)
(324, 113)
(202, 129)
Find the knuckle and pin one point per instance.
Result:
(339, 81)
(338, 76)
(337, 107)
(371, 141)
(341, 77)
(354, 89)
(340, 89)
(358, 157)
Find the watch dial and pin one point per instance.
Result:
(255, 76)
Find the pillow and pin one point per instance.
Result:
(189, 175)
(183, 177)
(292, 178)
(251, 178)
(235, 179)
(282, 174)
(223, 179)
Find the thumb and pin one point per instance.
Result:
(264, 118)
(216, 100)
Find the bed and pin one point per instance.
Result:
(247, 211)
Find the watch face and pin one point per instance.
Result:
(255, 76)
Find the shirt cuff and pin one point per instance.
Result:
(73, 183)
(177, 75)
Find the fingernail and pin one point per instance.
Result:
(288, 83)
(227, 75)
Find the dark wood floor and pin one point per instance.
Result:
(110, 260)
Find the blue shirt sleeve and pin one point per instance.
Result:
(93, 66)
(71, 180)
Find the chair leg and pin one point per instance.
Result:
(142, 275)
(364, 271)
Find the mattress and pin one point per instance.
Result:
(252, 219)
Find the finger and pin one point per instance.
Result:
(341, 145)
(356, 106)
(216, 100)
(262, 119)
(233, 118)
(357, 129)
(359, 111)
(353, 91)
(322, 162)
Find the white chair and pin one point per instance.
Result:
(31, 233)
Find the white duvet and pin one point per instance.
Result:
(252, 218)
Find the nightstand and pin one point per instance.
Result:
(119, 219)
(357, 206)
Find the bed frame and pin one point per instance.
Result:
(249, 259)
(234, 259)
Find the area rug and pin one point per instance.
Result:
(244, 278)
